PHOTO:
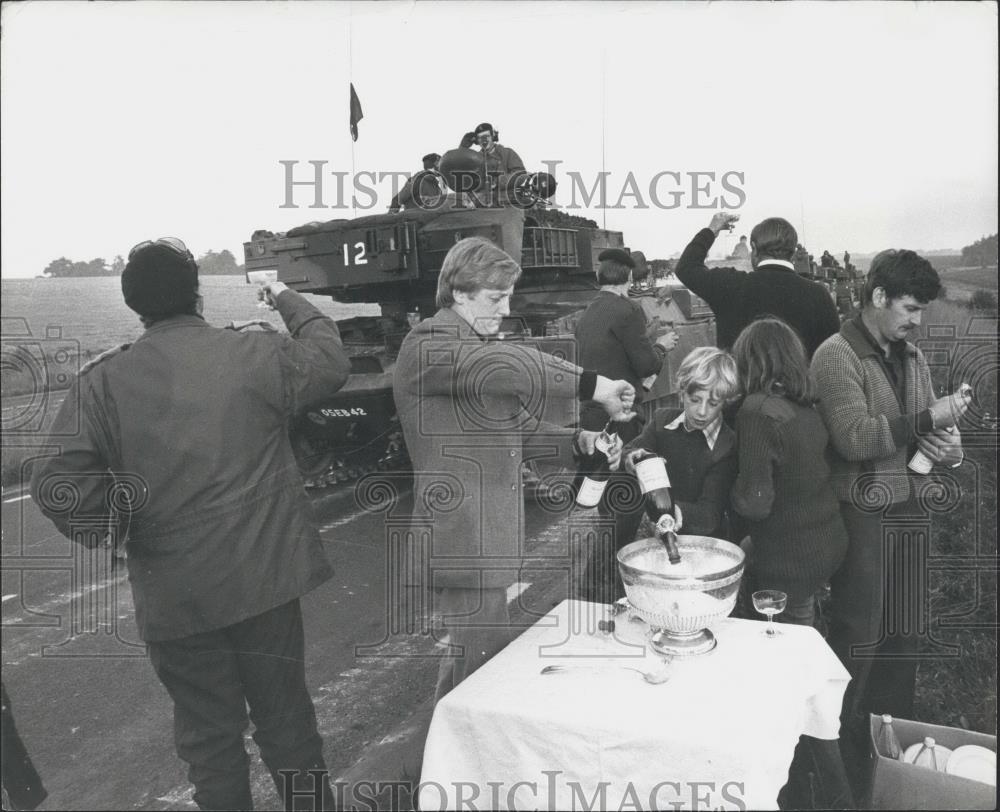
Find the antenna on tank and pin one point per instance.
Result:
(350, 78)
(604, 118)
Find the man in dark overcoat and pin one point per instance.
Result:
(474, 408)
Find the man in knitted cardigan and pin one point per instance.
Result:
(878, 404)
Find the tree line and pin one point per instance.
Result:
(982, 252)
(211, 263)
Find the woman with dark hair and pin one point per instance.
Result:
(783, 489)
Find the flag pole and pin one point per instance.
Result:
(350, 76)
(604, 118)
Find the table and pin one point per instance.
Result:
(720, 734)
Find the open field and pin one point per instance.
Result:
(51, 327)
(961, 283)
(942, 262)
(90, 311)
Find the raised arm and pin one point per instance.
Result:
(691, 270)
(312, 356)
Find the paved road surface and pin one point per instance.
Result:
(98, 723)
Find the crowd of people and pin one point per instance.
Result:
(786, 431)
(778, 429)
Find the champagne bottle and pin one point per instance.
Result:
(596, 470)
(888, 744)
(920, 463)
(651, 471)
(926, 756)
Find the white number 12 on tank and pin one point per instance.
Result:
(359, 257)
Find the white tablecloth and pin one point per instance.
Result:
(719, 734)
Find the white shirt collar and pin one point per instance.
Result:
(784, 263)
(711, 431)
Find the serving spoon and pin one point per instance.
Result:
(652, 677)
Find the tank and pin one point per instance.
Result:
(393, 260)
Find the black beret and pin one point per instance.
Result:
(158, 281)
(484, 127)
(430, 157)
(616, 255)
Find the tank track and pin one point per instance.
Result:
(340, 471)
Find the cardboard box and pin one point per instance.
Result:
(896, 785)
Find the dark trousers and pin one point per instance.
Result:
(874, 611)
(212, 677)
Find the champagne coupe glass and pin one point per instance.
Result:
(770, 602)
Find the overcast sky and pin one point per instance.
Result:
(868, 125)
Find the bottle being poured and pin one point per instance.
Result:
(651, 471)
(596, 470)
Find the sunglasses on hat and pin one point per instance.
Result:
(172, 243)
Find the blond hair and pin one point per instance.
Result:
(473, 264)
(711, 369)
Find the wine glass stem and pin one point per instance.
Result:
(770, 625)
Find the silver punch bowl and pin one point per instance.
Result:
(680, 602)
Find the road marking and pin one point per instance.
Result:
(17, 498)
(181, 795)
(67, 598)
(514, 591)
(8, 597)
(340, 522)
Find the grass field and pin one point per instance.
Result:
(961, 690)
(961, 283)
(51, 327)
(942, 262)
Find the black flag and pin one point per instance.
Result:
(356, 114)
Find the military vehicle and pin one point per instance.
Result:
(393, 260)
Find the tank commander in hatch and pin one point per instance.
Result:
(426, 185)
(502, 162)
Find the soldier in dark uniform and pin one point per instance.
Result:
(424, 186)
(503, 164)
